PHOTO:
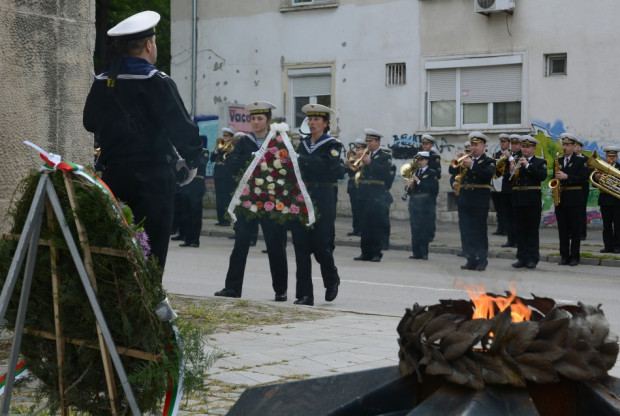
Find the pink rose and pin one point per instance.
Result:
(261, 160)
(279, 139)
(293, 209)
(245, 192)
(269, 205)
(300, 198)
(246, 204)
(273, 150)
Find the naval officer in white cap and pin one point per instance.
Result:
(140, 123)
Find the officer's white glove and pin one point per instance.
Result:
(183, 173)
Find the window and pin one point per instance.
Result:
(308, 86)
(474, 93)
(293, 5)
(396, 74)
(555, 64)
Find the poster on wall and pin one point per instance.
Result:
(239, 118)
(208, 126)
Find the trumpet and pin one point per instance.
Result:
(350, 156)
(356, 164)
(455, 163)
(224, 146)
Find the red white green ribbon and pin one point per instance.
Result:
(20, 372)
(175, 393)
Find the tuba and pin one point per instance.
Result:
(609, 181)
(224, 146)
(500, 166)
(406, 171)
(554, 183)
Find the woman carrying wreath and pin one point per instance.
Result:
(274, 233)
(319, 163)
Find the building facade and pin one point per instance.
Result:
(405, 68)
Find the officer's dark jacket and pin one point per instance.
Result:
(375, 175)
(524, 184)
(577, 172)
(429, 184)
(142, 119)
(322, 164)
(221, 170)
(605, 199)
(474, 193)
(242, 154)
(435, 163)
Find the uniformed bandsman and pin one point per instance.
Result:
(274, 233)
(572, 175)
(526, 175)
(428, 145)
(352, 191)
(319, 162)
(140, 123)
(475, 194)
(223, 178)
(579, 143)
(372, 196)
(501, 203)
(422, 189)
(610, 207)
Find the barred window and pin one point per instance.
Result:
(396, 74)
(555, 64)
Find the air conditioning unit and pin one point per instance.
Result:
(494, 6)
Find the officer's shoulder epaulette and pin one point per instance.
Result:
(162, 74)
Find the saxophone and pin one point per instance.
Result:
(554, 183)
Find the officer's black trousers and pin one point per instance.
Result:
(611, 226)
(474, 238)
(275, 239)
(569, 230)
(527, 223)
(224, 187)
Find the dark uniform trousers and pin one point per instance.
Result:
(352, 191)
(527, 208)
(569, 213)
(148, 189)
(224, 188)
(191, 196)
(374, 212)
(275, 237)
(421, 204)
(610, 213)
(473, 211)
(316, 240)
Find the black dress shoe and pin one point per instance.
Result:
(362, 258)
(415, 257)
(498, 232)
(509, 244)
(177, 237)
(469, 266)
(376, 258)
(264, 251)
(331, 293)
(252, 243)
(353, 233)
(573, 262)
(306, 300)
(219, 224)
(280, 297)
(481, 266)
(606, 250)
(460, 254)
(530, 265)
(227, 293)
(194, 245)
(563, 261)
(519, 264)
(184, 244)
(424, 257)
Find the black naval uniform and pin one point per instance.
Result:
(274, 234)
(586, 194)
(191, 195)
(138, 124)
(422, 198)
(527, 203)
(569, 212)
(373, 206)
(434, 163)
(473, 209)
(506, 203)
(320, 168)
(353, 191)
(610, 212)
(225, 184)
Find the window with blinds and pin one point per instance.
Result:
(475, 96)
(308, 86)
(396, 74)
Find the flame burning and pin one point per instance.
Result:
(485, 304)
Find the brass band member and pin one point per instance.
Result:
(422, 189)
(223, 178)
(434, 162)
(610, 207)
(572, 175)
(501, 202)
(373, 177)
(579, 143)
(352, 190)
(526, 174)
(475, 193)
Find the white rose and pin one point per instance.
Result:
(257, 191)
(285, 210)
(282, 172)
(259, 181)
(285, 192)
(280, 181)
(271, 186)
(269, 178)
(277, 164)
(253, 208)
(271, 192)
(263, 166)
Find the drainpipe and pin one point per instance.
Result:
(194, 53)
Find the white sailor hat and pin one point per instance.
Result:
(317, 110)
(579, 141)
(611, 150)
(228, 130)
(425, 155)
(568, 138)
(503, 137)
(360, 143)
(373, 133)
(260, 107)
(477, 137)
(428, 138)
(239, 134)
(467, 145)
(529, 140)
(515, 138)
(138, 26)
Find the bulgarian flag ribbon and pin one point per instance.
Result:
(20, 372)
(175, 393)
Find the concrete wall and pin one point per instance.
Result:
(46, 69)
